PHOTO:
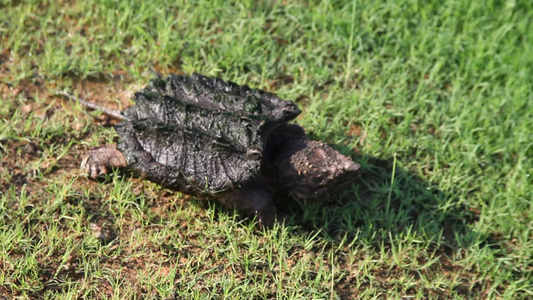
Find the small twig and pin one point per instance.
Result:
(117, 114)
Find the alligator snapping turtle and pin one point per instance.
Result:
(209, 137)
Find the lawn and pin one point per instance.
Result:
(433, 98)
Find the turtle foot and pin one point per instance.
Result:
(101, 160)
(255, 200)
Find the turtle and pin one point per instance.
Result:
(213, 138)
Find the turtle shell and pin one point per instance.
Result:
(198, 134)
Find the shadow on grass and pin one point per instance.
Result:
(379, 206)
(378, 211)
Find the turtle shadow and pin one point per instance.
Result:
(388, 199)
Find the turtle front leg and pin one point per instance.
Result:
(253, 199)
(101, 160)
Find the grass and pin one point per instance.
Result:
(433, 98)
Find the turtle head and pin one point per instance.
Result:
(313, 170)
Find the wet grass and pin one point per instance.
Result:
(433, 98)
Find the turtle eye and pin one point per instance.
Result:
(321, 154)
(318, 157)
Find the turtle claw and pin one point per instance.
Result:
(99, 161)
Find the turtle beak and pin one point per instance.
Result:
(349, 169)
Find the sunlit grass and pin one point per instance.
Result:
(433, 98)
